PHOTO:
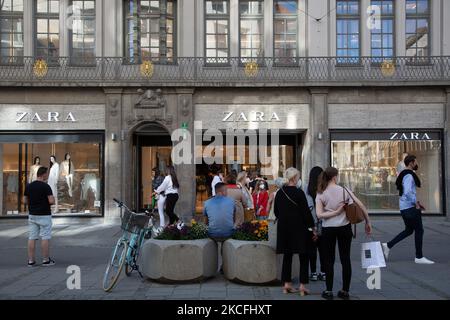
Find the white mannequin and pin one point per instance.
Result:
(33, 170)
(53, 179)
(67, 170)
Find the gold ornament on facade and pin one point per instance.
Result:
(388, 68)
(147, 69)
(40, 68)
(251, 69)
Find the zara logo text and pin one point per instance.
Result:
(48, 117)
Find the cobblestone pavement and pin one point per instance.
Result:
(88, 243)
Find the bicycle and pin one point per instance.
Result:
(136, 227)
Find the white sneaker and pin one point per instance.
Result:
(385, 250)
(423, 260)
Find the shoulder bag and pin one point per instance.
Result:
(354, 213)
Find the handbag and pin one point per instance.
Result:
(354, 213)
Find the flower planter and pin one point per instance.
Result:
(179, 260)
(255, 262)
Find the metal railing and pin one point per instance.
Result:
(227, 71)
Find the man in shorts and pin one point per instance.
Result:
(39, 197)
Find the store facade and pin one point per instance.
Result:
(116, 136)
(69, 140)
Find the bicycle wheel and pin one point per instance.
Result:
(132, 254)
(115, 265)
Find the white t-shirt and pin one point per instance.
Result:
(215, 181)
(167, 186)
(332, 198)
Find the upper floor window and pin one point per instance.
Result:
(217, 31)
(11, 31)
(47, 29)
(382, 32)
(417, 28)
(348, 33)
(285, 25)
(149, 30)
(251, 28)
(82, 39)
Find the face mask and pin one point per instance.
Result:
(416, 167)
(299, 183)
(247, 180)
(262, 187)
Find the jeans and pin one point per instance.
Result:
(171, 200)
(412, 218)
(286, 270)
(317, 247)
(343, 237)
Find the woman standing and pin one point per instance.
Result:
(261, 199)
(279, 182)
(170, 187)
(234, 192)
(295, 232)
(330, 202)
(249, 208)
(311, 193)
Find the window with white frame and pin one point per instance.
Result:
(348, 31)
(217, 29)
(285, 28)
(251, 29)
(11, 31)
(149, 30)
(382, 32)
(47, 30)
(82, 39)
(417, 28)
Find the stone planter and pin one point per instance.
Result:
(179, 260)
(255, 262)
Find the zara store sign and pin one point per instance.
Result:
(409, 136)
(256, 116)
(45, 117)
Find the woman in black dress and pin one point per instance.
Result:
(295, 230)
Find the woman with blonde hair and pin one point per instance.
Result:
(330, 201)
(295, 233)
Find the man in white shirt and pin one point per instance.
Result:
(218, 177)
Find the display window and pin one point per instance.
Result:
(75, 163)
(369, 163)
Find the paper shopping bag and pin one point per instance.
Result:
(372, 255)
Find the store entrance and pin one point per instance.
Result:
(152, 149)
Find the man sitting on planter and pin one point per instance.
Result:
(219, 214)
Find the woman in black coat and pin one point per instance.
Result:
(295, 230)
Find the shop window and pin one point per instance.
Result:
(75, 177)
(370, 168)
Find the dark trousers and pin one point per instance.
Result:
(286, 271)
(171, 201)
(343, 237)
(412, 218)
(317, 248)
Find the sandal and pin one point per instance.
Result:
(289, 290)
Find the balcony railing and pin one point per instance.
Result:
(231, 71)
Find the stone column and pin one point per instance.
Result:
(447, 154)
(113, 152)
(186, 172)
(317, 142)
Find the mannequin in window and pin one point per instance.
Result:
(67, 171)
(33, 169)
(53, 179)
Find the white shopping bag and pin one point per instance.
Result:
(372, 255)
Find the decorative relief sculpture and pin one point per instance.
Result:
(151, 106)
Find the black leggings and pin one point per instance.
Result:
(343, 237)
(171, 201)
(317, 247)
(286, 271)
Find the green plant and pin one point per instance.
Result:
(194, 232)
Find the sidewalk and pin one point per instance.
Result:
(88, 244)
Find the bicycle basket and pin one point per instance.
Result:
(134, 223)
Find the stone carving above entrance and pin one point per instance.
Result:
(150, 99)
(150, 106)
